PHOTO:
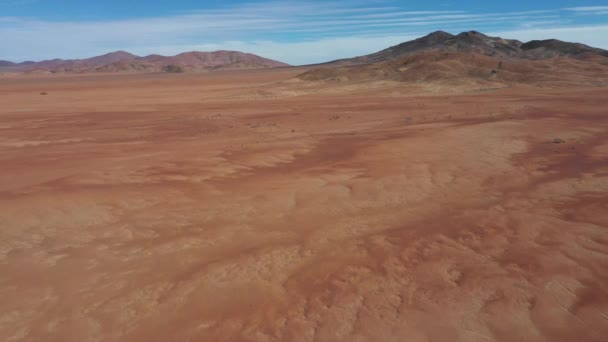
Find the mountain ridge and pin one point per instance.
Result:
(476, 42)
(4, 63)
(123, 61)
(192, 61)
(471, 59)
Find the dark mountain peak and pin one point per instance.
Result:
(7, 63)
(479, 43)
(438, 35)
(557, 48)
(423, 43)
(432, 38)
(472, 33)
(551, 43)
(475, 36)
(534, 44)
(470, 41)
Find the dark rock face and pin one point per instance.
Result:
(558, 48)
(476, 42)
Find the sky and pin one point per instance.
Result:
(295, 32)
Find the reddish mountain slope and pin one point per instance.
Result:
(212, 59)
(112, 57)
(78, 64)
(121, 61)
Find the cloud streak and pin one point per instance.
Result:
(587, 8)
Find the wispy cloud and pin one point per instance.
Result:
(402, 14)
(587, 8)
(296, 32)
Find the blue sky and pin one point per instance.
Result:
(297, 32)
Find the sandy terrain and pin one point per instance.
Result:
(215, 207)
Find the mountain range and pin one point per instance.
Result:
(476, 42)
(122, 61)
(471, 59)
(425, 57)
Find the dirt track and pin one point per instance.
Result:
(210, 207)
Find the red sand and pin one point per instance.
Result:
(213, 207)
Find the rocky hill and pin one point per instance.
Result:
(476, 42)
(4, 64)
(453, 68)
(121, 61)
(473, 59)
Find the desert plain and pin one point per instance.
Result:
(249, 206)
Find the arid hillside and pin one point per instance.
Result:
(478, 43)
(121, 61)
(470, 69)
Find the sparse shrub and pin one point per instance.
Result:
(173, 68)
